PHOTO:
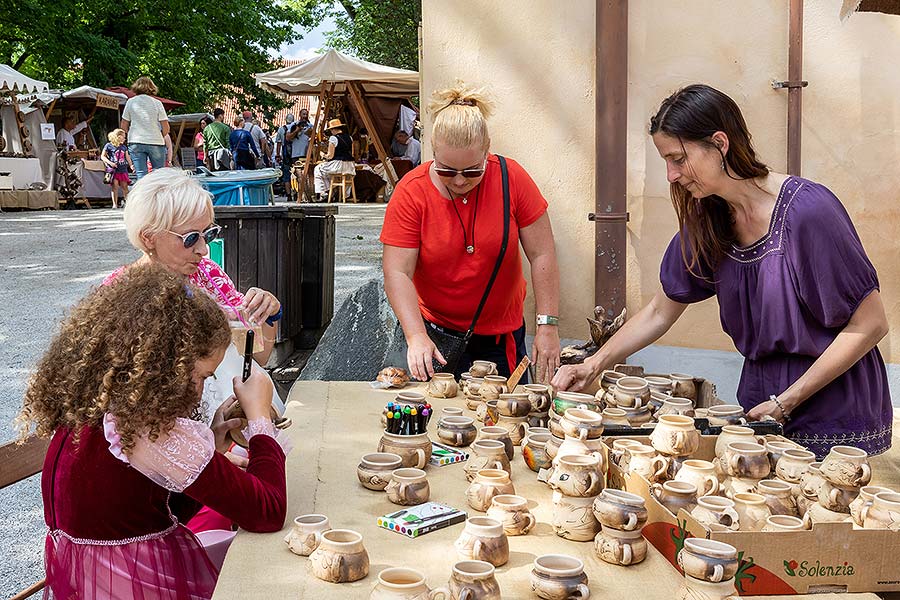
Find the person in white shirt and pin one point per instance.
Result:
(412, 147)
(145, 121)
(66, 136)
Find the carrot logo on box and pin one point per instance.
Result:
(817, 569)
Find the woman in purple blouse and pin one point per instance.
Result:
(796, 291)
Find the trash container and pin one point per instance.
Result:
(289, 251)
(240, 188)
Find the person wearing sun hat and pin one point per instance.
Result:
(337, 160)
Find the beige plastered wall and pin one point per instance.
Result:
(538, 59)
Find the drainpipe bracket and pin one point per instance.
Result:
(777, 85)
(610, 217)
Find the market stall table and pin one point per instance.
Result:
(24, 171)
(30, 199)
(334, 424)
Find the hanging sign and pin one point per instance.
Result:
(104, 101)
(48, 131)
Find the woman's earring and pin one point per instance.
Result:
(723, 164)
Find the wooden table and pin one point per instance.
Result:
(334, 423)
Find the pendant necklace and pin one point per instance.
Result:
(470, 248)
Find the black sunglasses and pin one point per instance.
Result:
(191, 238)
(467, 173)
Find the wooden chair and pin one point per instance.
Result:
(20, 461)
(188, 159)
(341, 181)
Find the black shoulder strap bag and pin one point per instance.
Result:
(452, 344)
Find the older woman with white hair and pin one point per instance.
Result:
(169, 218)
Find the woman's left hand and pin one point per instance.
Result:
(220, 427)
(260, 304)
(769, 408)
(546, 352)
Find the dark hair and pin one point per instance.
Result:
(206, 120)
(694, 113)
(218, 113)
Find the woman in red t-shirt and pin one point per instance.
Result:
(442, 234)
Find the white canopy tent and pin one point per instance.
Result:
(13, 81)
(336, 67)
(91, 93)
(335, 74)
(21, 145)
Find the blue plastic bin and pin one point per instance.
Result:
(240, 188)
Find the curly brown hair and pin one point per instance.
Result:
(128, 349)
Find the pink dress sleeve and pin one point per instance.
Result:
(173, 461)
(186, 461)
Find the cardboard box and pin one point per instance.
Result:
(832, 557)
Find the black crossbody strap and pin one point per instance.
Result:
(504, 174)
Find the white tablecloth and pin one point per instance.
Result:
(24, 171)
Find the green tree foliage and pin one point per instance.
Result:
(195, 52)
(381, 31)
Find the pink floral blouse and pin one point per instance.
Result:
(211, 278)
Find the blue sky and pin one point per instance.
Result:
(308, 46)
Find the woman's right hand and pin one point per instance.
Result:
(419, 355)
(575, 378)
(255, 394)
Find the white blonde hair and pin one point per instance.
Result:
(163, 200)
(460, 116)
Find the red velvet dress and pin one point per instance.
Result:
(115, 533)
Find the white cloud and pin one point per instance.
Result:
(295, 52)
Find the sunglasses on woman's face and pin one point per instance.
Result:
(467, 173)
(191, 238)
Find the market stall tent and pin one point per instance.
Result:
(366, 84)
(341, 69)
(23, 160)
(84, 101)
(183, 129)
(13, 81)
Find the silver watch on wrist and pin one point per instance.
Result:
(547, 320)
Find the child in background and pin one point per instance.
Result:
(117, 159)
(119, 391)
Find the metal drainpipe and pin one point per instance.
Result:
(610, 135)
(794, 85)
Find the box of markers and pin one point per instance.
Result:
(418, 520)
(445, 455)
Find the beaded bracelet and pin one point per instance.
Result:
(777, 402)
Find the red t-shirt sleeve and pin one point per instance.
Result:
(403, 218)
(527, 202)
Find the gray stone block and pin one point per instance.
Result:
(364, 337)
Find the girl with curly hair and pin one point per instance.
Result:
(119, 391)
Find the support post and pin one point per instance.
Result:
(321, 113)
(795, 74)
(356, 96)
(610, 137)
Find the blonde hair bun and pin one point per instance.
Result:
(460, 116)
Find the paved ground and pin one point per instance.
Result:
(48, 260)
